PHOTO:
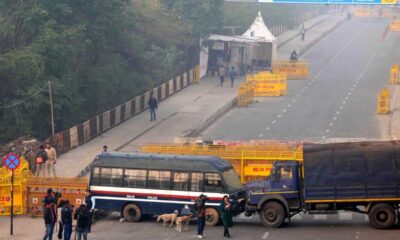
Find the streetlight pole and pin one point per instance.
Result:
(51, 110)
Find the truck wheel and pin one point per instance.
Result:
(212, 217)
(272, 215)
(382, 216)
(132, 213)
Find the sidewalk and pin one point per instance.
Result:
(176, 114)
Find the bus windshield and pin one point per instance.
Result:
(232, 181)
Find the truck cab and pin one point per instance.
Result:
(276, 196)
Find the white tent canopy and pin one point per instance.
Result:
(267, 50)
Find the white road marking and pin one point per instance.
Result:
(273, 122)
(354, 85)
(265, 236)
(298, 95)
(344, 102)
(345, 216)
(352, 89)
(337, 113)
(349, 93)
(327, 130)
(347, 98)
(321, 217)
(334, 118)
(330, 124)
(267, 129)
(261, 135)
(284, 110)
(323, 137)
(289, 105)
(294, 100)
(280, 115)
(341, 107)
(309, 84)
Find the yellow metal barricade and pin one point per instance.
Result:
(19, 195)
(267, 84)
(72, 189)
(383, 102)
(20, 179)
(292, 69)
(394, 74)
(395, 25)
(245, 94)
(251, 160)
(362, 12)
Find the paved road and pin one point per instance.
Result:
(344, 226)
(338, 100)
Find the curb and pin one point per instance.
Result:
(205, 123)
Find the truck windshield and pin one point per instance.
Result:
(232, 181)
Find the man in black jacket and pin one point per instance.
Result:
(49, 214)
(82, 215)
(153, 107)
(41, 158)
(66, 218)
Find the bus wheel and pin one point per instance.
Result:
(272, 215)
(132, 213)
(382, 216)
(212, 217)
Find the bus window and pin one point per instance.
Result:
(181, 181)
(96, 177)
(110, 177)
(212, 183)
(159, 180)
(135, 178)
(197, 183)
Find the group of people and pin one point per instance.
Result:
(226, 210)
(222, 73)
(46, 157)
(61, 214)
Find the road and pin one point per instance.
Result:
(338, 100)
(345, 226)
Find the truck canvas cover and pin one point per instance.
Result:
(363, 170)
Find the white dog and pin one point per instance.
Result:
(183, 220)
(171, 217)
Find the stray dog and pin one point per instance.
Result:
(168, 218)
(183, 220)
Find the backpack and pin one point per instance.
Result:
(66, 214)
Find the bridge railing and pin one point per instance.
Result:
(82, 133)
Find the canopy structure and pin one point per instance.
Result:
(256, 48)
(265, 52)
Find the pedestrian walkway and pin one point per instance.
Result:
(175, 115)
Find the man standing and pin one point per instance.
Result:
(82, 216)
(66, 218)
(232, 75)
(52, 158)
(303, 32)
(49, 214)
(200, 208)
(41, 158)
(221, 74)
(153, 107)
(104, 149)
(89, 205)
